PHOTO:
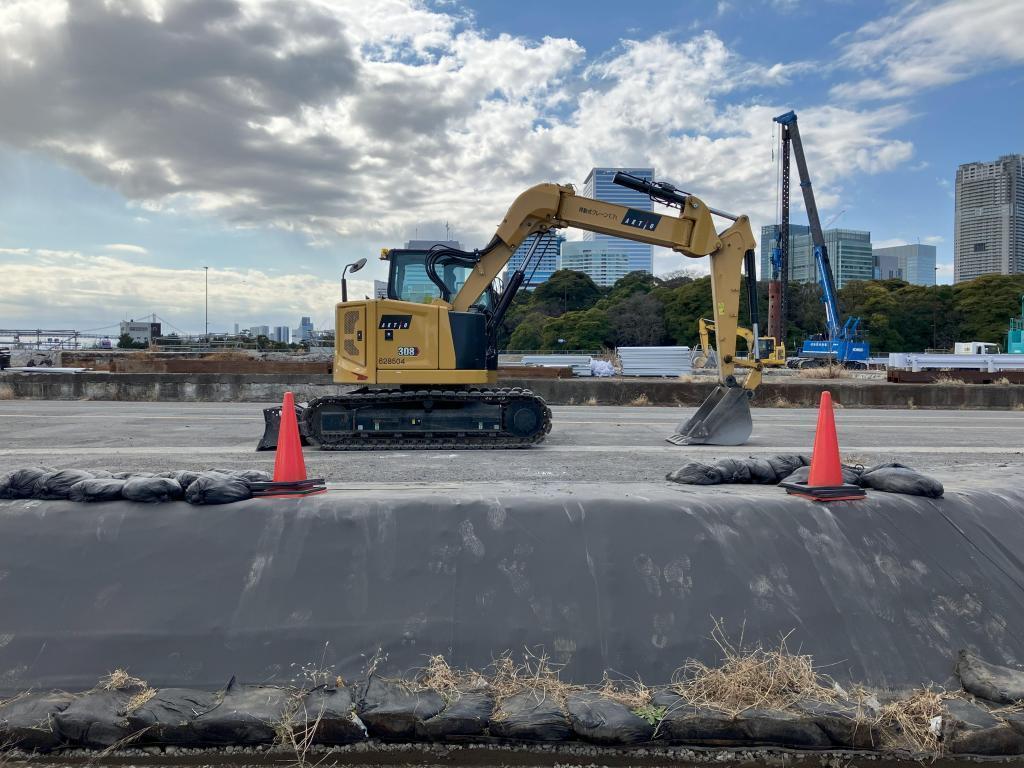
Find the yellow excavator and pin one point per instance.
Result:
(425, 358)
(771, 352)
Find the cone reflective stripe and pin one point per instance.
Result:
(825, 479)
(826, 468)
(289, 463)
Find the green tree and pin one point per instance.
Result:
(637, 321)
(565, 291)
(987, 304)
(125, 341)
(585, 329)
(528, 335)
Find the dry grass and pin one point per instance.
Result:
(908, 721)
(536, 674)
(825, 372)
(450, 683)
(140, 698)
(590, 401)
(120, 680)
(640, 400)
(630, 693)
(946, 379)
(6, 392)
(686, 378)
(756, 678)
(1003, 381)
(781, 402)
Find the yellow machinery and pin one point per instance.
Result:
(769, 351)
(426, 356)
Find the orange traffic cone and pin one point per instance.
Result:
(825, 480)
(289, 463)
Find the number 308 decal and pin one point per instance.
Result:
(408, 351)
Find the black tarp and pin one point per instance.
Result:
(620, 577)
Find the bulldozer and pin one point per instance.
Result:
(424, 360)
(771, 352)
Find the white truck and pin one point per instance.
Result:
(975, 348)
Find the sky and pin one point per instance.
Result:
(275, 141)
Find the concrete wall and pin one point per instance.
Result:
(787, 393)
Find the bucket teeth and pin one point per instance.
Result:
(722, 419)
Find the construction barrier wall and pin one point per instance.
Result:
(624, 578)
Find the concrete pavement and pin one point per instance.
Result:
(587, 443)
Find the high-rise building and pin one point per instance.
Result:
(988, 233)
(544, 261)
(259, 330)
(604, 262)
(768, 235)
(282, 334)
(599, 185)
(305, 330)
(380, 289)
(849, 252)
(914, 263)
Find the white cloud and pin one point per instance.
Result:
(126, 248)
(890, 242)
(339, 117)
(925, 45)
(934, 239)
(97, 288)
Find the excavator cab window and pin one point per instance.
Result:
(408, 279)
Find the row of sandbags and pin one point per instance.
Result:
(890, 477)
(214, 486)
(405, 711)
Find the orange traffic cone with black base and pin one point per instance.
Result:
(289, 463)
(825, 480)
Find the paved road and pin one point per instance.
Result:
(586, 443)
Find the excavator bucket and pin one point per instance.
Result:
(722, 419)
(272, 424)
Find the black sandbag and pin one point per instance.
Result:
(96, 719)
(252, 475)
(5, 484)
(851, 475)
(151, 490)
(185, 477)
(56, 485)
(391, 709)
(217, 488)
(168, 717)
(1002, 685)
(969, 729)
(129, 475)
(26, 722)
(684, 723)
(466, 715)
(734, 470)
(602, 720)
(786, 463)
(97, 489)
(22, 482)
(246, 715)
(899, 479)
(845, 724)
(695, 473)
(332, 711)
(771, 727)
(530, 716)
(761, 471)
(102, 474)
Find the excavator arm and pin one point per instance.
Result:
(724, 418)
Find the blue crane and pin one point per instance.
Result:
(843, 341)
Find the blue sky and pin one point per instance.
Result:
(275, 143)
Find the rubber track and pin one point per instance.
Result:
(375, 441)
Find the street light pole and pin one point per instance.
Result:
(207, 323)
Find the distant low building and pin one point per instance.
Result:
(380, 289)
(603, 261)
(849, 252)
(259, 330)
(140, 333)
(914, 263)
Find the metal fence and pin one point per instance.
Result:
(990, 363)
(654, 361)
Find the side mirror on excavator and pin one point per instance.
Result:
(355, 266)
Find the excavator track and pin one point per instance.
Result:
(380, 419)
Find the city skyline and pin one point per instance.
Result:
(124, 180)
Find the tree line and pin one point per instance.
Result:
(570, 312)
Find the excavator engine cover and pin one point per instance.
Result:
(722, 419)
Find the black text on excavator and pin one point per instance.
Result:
(425, 358)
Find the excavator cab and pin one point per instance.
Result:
(409, 277)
